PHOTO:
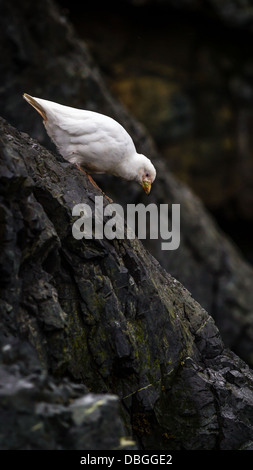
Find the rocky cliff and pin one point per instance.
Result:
(42, 55)
(106, 315)
(87, 317)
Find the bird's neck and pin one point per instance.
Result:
(128, 168)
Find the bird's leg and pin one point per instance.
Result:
(93, 182)
(80, 169)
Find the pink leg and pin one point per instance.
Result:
(93, 182)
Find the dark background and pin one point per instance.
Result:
(185, 70)
(178, 76)
(107, 315)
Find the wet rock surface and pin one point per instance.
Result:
(103, 316)
(87, 317)
(39, 412)
(207, 263)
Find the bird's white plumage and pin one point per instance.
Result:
(93, 141)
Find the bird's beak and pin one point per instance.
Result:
(146, 184)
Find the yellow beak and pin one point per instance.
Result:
(146, 186)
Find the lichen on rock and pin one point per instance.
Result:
(106, 314)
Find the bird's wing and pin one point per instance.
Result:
(84, 136)
(89, 134)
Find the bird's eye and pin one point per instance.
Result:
(147, 174)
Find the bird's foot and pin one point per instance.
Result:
(94, 183)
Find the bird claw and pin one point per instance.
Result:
(108, 198)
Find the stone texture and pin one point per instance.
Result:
(108, 316)
(58, 66)
(190, 84)
(39, 412)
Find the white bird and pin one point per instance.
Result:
(94, 142)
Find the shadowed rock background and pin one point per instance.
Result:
(105, 316)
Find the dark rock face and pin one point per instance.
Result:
(106, 314)
(42, 56)
(103, 316)
(38, 411)
(41, 413)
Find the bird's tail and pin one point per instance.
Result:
(32, 101)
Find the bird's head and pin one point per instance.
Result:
(146, 173)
